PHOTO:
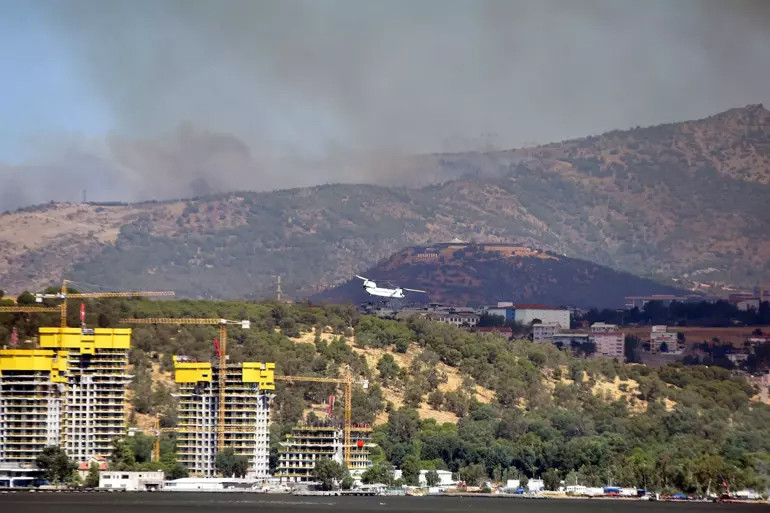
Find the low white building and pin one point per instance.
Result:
(527, 313)
(208, 484)
(444, 478)
(131, 481)
(535, 485)
(542, 332)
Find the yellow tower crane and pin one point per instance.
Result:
(222, 323)
(348, 381)
(64, 295)
(31, 309)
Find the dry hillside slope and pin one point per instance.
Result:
(682, 200)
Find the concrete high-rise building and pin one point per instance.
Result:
(247, 414)
(309, 443)
(31, 396)
(94, 406)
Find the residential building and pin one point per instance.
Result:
(93, 413)
(31, 402)
(84, 467)
(306, 444)
(609, 344)
(542, 332)
(662, 340)
(455, 317)
(247, 414)
(603, 327)
(132, 481)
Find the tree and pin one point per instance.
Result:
(410, 470)
(55, 464)
(431, 478)
(347, 482)
(388, 368)
(92, 479)
(436, 399)
(177, 471)
(26, 298)
(141, 447)
(122, 456)
(229, 464)
(551, 479)
(473, 475)
(328, 472)
(381, 473)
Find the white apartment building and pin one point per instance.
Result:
(31, 398)
(93, 413)
(247, 417)
(544, 332)
(659, 335)
(609, 344)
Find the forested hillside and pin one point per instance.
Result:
(683, 200)
(513, 408)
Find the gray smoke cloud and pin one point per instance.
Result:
(246, 94)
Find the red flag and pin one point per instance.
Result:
(15, 337)
(331, 406)
(82, 313)
(216, 346)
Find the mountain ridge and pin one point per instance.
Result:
(668, 201)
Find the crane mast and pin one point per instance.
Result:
(347, 380)
(222, 323)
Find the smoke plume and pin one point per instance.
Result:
(213, 96)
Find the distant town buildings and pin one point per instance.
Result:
(542, 332)
(664, 341)
(609, 344)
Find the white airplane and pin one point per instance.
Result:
(395, 293)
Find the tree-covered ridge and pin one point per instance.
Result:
(676, 427)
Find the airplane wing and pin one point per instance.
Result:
(362, 278)
(414, 290)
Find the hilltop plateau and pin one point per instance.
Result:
(482, 274)
(686, 201)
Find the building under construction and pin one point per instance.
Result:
(306, 444)
(70, 393)
(248, 388)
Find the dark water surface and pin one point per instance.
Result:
(179, 502)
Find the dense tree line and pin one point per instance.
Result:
(676, 313)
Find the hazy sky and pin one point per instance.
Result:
(134, 99)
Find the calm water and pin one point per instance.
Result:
(179, 502)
